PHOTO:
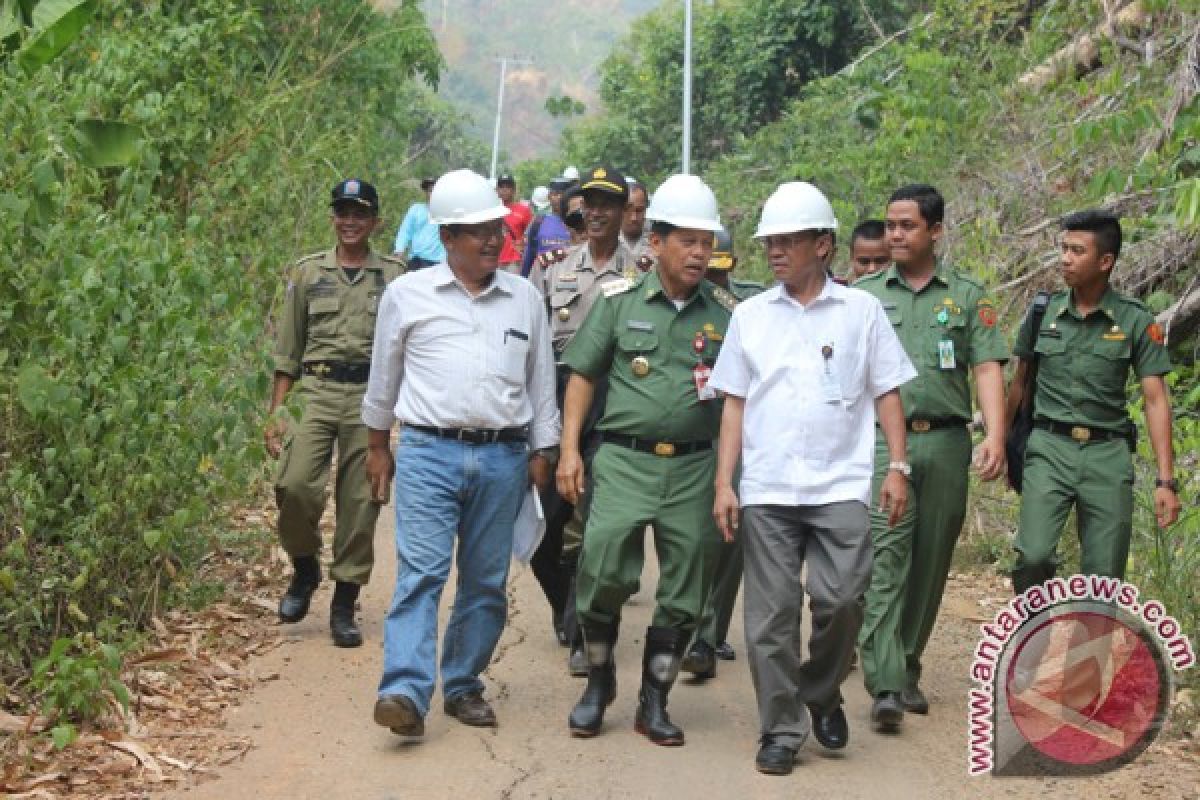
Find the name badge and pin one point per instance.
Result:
(700, 375)
(946, 354)
(831, 384)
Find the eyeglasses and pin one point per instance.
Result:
(484, 230)
(786, 241)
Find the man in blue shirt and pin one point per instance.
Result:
(418, 237)
(548, 232)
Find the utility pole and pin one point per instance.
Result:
(687, 87)
(504, 62)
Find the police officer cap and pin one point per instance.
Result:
(561, 184)
(605, 179)
(356, 192)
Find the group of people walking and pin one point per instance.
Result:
(810, 428)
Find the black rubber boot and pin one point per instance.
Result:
(588, 714)
(1034, 575)
(660, 666)
(306, 576)
(342, 625)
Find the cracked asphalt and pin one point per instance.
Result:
(314, 736)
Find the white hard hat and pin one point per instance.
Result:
(571, 173)
(540, 198)
(464, 197)
(685, 201)
(796, 206)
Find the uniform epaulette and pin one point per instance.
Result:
(619, 286)
(1133, 301)
(724, 297)
(747, 284)
(394, 260)
(310, 257)
(551, 257)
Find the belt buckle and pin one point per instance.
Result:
(664, 449)
(921, 425)
(467, 435)
(1080, 433)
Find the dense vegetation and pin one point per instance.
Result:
(1018, 110)
(156, 178)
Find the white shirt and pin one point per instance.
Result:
(808, 434)
(446, 359)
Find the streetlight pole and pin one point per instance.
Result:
(500, 109)
(687, 86)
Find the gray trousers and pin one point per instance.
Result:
(836, 541)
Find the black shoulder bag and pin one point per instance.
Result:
(1022, 424)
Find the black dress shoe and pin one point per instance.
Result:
(701, 661)
(471, 709)
(397, 712)
(725, 652)
(887, 711)
(343, 628)
(914, 700)
(831, 730)
(774, 758)
(293, 607)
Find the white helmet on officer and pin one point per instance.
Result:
(796, 206)
(685, 201)
(463, 197)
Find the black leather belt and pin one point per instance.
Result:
(475, 435)
(338, 371)
(1080, 433)
(664, 449)
(924, 424)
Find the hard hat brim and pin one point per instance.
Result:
(793, 227)
(486, 215)
(691, 223)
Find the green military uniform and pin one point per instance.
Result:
(647, 348)
(1080, 449)
(718, 610)
(946, 328)
(325, 333)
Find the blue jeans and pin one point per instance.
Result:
(446, 488)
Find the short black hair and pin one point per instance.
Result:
(1104, 225)
(868, 229)
(637, 187)
(929, 201)
(663, 229)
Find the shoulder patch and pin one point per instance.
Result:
(725, 298)
(1156, 333)
(619, 286)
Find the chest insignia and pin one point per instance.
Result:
(616, 287)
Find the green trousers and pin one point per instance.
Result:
(912, 559)
(1097, 478)
(332, 417)
(727, 580)
(633, 490)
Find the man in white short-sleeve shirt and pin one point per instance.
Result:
(806, 368)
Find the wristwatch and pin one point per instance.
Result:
(1171, 484)
(903, 467)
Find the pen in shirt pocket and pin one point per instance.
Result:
(516, 334)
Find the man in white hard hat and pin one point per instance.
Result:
(463, 361)
(808, 368)
(654, 340)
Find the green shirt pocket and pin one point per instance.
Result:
(637, 342)
(1107, 361)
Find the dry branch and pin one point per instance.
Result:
(1083, 52)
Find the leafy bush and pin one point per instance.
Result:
(133, 297)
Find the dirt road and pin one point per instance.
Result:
(314, 736)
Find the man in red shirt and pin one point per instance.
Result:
(519, 217)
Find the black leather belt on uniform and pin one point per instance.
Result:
(664, 449)
(923, 425)
(475, 435)
(338, 371)
(1080, 433)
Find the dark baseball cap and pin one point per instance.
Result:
(506, 180)
(560, 184)
(352, 190)
(427, 183)
(604, 179)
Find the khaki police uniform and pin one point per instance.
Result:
(1079, 453)
(657, 463)
(946, 328)
(324, 339)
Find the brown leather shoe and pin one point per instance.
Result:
(397, 712)
(471, 709)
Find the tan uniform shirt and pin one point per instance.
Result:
(571, 286)
(326, 317)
